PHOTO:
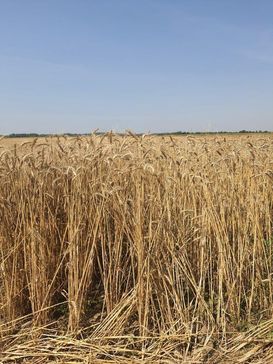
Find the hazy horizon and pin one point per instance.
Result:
(153, 65)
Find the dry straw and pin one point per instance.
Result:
(136, 249)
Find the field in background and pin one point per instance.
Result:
(136, 248)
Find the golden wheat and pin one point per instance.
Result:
(136, 249)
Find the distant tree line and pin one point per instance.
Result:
(213, 132)
(36, 135)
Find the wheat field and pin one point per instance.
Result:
(136, 249)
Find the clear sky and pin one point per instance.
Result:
(144, 65)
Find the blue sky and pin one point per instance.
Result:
(144, 65)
